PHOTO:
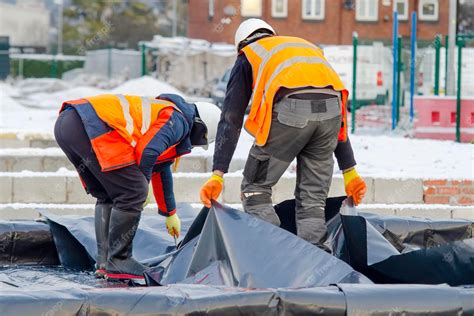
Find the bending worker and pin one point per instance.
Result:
(118, 143)
(297, 110)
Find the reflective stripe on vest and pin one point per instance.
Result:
(146, 114)
(128, 118)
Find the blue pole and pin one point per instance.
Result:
(412, 64)
(395, 66)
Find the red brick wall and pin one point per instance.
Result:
(336, 28)
(453, 192)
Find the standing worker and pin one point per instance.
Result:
(118, 143)
(297, 110)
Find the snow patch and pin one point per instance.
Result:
(146, 86)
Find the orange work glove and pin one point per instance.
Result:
(354, 185)
(211, 189)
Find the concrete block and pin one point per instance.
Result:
(4, 164)
(75, 192)
(442, 213)
(43, 143)
(6, 189)
(10, 213)
(231, 192)
(375, 210)
(464, 212)
(284, 189)
(187, 187)
(193, 164)
(370, 194)
(20, 163)
(398, 191)
(14, 143)
(50, 189)
(236, 164)
(53, 163)
(337, 187)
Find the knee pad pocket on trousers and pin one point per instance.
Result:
(256, 169)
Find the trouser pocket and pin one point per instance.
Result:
(291, 119)
(256, 169)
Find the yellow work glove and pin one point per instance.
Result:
(354, 185)
(173, 224)
(149, 196)
(211, 189)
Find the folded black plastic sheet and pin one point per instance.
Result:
(186, 299)
(411, 233)
(236, 249)
(404, 300)
(26, 243)
(441, 256)
(74, 237)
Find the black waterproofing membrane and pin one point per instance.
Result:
(410, 250)
(231, 263)
(26, 242)
(236, 249)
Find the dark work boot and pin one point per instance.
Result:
(121, 266)
(102, 219)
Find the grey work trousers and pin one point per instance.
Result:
(306, 130)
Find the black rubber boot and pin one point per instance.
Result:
(121, 266)
(102, 220)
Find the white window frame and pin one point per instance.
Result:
(275, 13)
(424, 17)
(365, 17)
(256, 14)
(313, 15)
(404, 16)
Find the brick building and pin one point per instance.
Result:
(320, 21)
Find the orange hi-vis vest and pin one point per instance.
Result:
(290, 62)
(121, 140)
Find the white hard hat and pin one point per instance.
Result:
(247, 27)
(210, 114)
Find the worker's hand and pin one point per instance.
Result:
(173, 224)
(354, 185)
(211, 189)
(149, 196)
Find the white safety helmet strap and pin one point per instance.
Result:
(248, 27)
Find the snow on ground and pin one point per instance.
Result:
(147, 86)
(15, 117)
(54, 100)
(385, 156)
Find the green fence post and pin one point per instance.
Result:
(20, 67)
(437, 44)
(54, 68)
(354, 82)
(460, 44)
(143, 49)
(446, 45)
(399, 70)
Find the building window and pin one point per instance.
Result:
(367, 10)
(313, 9)
(251, 8)
(401, 6)
(279, 8)
(428, 10)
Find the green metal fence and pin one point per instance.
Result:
(43, 66)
